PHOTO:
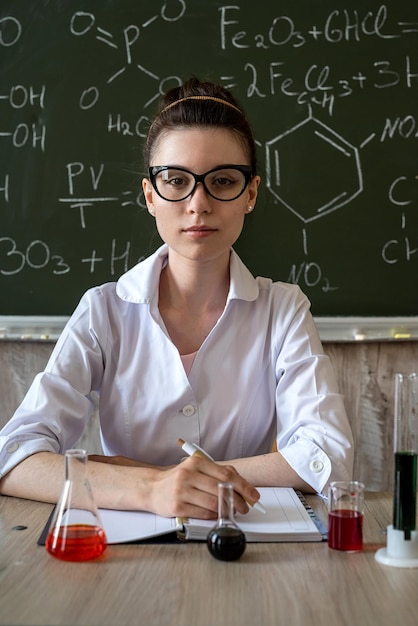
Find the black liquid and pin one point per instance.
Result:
(226, 543)
(404, 501)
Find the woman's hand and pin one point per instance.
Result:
(190, 489)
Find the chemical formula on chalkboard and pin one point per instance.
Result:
(330, 88)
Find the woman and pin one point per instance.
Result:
(189, 345)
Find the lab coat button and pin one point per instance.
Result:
(188, 410)
(13, 447)
(316, 466)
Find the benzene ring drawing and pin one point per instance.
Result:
(312, 181)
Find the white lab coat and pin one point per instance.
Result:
(261, 373)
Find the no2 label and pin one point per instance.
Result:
(310, 274)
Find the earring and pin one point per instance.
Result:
(249, 209)
(151, 212)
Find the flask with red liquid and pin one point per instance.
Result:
(76, 532)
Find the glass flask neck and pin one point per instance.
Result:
(76, 465)
(226, 505)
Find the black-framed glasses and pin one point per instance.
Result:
(225, 182)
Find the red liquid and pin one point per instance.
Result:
(345, 530)
(77, 543)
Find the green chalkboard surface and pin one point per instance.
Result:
(331, 88)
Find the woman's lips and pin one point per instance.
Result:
(199, 231)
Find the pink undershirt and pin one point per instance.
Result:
(187, 360)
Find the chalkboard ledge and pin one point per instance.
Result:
(331, 329)
(358, 329)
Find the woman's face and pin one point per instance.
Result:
(200, 227)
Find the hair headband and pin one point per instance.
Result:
(220, 100)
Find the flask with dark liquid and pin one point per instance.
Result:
(75, 532)
(226, 541)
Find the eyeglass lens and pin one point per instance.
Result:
(222, 184)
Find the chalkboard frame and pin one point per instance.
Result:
(368, 25)
(331, 329)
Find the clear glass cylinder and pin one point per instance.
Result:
(406, 409)
(76, 532)
(226, 541)
(405, 453)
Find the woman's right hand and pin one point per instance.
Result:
(190, 489)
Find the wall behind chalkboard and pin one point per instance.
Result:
(331, 88)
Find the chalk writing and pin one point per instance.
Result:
(93, 259)
(94, 175)
(10, 31)
(403, 192)
(322, 146)
(339, 26)
(36, 256)
(4, 189)
(405, 128)
(83, 22)
(310, 274)
(331, 90)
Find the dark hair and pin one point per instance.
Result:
(197, 103)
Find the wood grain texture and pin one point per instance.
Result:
(181, 585)
(19, 363)
(365, 373)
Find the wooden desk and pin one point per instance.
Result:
(181, 585)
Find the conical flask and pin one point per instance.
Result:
(226, 541)
(76, 532)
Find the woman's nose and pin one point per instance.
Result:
(199, 201)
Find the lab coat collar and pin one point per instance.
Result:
(140, 284)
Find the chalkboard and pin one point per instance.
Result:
(331, 88)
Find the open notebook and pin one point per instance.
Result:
(287, 519)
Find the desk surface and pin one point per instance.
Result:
(181, 585)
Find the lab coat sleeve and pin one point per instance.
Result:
(314, 433)
(55, 410)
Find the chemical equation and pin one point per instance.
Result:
(94, 176)
(38, 256)
(347, 25)
(320, 84)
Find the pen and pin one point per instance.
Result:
(193, 449)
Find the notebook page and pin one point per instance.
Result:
(124, 526)
(286, 519)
